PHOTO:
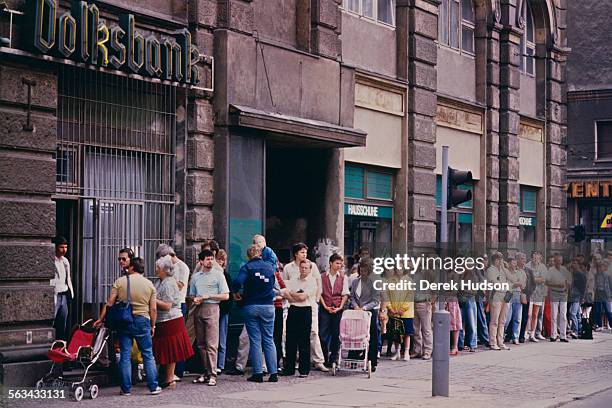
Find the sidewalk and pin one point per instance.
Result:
(529, 375)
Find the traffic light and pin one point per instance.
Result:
(579, 233)
(456, 195)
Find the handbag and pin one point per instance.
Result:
(119, 315)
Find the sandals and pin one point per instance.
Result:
(200, 380)
(212, 382)
(171, 385)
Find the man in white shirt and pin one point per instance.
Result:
(558, 281)
(291, 271)
(62, 283)
(301, 293)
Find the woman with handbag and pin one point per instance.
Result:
(498, 307)
(132, 312)
(171, 342)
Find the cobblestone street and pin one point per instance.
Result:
(529, 375)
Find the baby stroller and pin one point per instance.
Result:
(86, 346)
(354, 342)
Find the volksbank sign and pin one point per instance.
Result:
(79, 34)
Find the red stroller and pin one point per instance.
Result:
(85, 347)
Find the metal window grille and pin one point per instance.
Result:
(116, 154)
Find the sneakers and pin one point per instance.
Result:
(321, 367)
(564, 341)
(176, 378)
(406, 356)
(273, 378)
(495, 347)
(156, 391)
(533, 339)
(426, 357)
(553, 339)
(396, 356)
(540, 337)
(125, 394)
(515, 341)
(504, 347)
(219, 371)
(212, 382)
(303, 375)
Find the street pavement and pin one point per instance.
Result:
(574, 375)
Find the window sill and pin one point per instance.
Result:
(458, 51)
(370, 20)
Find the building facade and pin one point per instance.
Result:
(319, 121)
(589, 140)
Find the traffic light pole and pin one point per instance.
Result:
(441, 318)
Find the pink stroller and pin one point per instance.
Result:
(354, 342)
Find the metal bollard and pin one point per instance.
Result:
(441, 345)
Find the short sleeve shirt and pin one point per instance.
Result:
(308, 286)
(181, 274)
(168, 291)
(142, 293)
(208, 284)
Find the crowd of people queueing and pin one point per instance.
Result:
(292, 312)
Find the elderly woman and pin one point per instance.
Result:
(517, 279)
(171, 342)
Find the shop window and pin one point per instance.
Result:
(603, 141)
(382, 11)
(456, 25)
(528, 46)
(361, 182)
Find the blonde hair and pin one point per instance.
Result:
(222, 255)
(253, 251)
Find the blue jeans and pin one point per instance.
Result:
(481, 322)
(60, 323)
(223, 324)
(259, 322)
(468, 316)
(575, 317)
(600, 308)
(139, 330)
(179, 369)
(513, 319)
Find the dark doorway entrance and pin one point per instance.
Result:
(296, 184)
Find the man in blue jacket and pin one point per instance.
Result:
(255, 288)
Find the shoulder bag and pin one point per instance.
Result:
(119, 316)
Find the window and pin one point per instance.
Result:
(603, 142)
(360, 182)
(528, 46)
(382, 11)
(456, 25)
(528, 200)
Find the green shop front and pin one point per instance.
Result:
(368, 209)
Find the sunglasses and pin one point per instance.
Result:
(122, 258)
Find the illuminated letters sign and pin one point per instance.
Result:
(79, 34)
(589, 189)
